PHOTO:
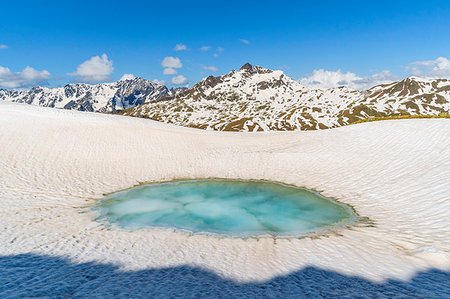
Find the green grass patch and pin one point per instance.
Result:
(369, 119)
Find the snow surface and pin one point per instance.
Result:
(55, 164)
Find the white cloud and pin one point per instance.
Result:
(245, 41)
(160, 82)
(180, 47)
(127, 77)
(172, 62)
(3, 47)
(95, 69)
(328, 79)
(211, 68)
(179, 80)
(170, 71)
(205, 48)
(438, 68)
(219, 50)
(26, 78)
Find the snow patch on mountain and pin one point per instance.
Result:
(105, 97)
(258, 99)
(249, 99)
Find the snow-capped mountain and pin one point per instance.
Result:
(411, 96)
(259, 99)
(250, 99)
(104, 97)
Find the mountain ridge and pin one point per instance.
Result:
(252, 98)
(258, 99)
(103, 97)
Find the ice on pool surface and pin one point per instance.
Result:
(226, 207)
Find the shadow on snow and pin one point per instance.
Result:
(29, 275)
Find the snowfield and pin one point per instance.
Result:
(55, 164)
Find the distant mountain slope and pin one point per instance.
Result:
(105, 97)
(259, 99)
(411, 96)
(250, 99)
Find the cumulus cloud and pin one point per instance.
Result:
(328, 79)
(3, 47)
(179, 80)
(160, 82)
(211, 68)
(172, 62)
(26, 78)
(325, 79)
(205, 48)
(245, 41)
(438, 68)
(127, 77)
(180, 47)
(170, 71)
(95, 69)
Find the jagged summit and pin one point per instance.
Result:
(250, 99)
(239, 82)
(412, 86)
(259, 99)
(254, 69)
(104, 97)
(246, 66)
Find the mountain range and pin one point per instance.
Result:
(249, 99)
(258, 99)
(104, 97)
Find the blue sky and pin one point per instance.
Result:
(360, 38)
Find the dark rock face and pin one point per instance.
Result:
(212, 81)
(246, 66)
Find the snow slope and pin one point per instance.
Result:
(55, 164)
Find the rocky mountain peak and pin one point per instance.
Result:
(103, 97)
(250, 99)
(246, 66)
(249, 69)
(407, 87)
(258, 99)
